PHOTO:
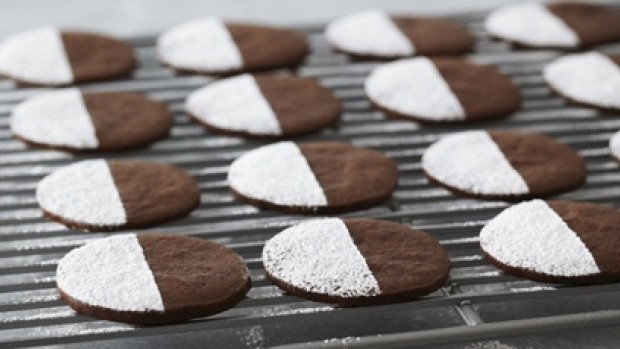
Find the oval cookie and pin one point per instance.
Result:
(74, 121)
(592, 79)
(375, 34)
(558, 25)
(441, 90)
(555, 241)
(151, 279)
(211, 46)
(355, 261)
(263, 106)
(503, 165)
(49, 56)
(316, 177)
(100, 195)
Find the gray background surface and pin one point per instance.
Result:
(139, 17)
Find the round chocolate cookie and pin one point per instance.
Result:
(318, 177)
(211, 46)
(592, 79)
(355, 261)
(48, 56)
(100, 195)
(151, 279)
(375, 34)
(73, 121)
(263, 106)
(502, 165)
(441, 90)
(555, 241)
(562, 25)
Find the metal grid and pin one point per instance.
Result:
(31, 312)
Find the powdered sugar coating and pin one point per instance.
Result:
(413, 87)
(532, 236)
(110, 273)
(203, 45)
(319, 256)
(277, 173)
(57, 118)
(614, 145)
(235, 104)
(82, 193)
(370, 32)
(36, 56)
(590, 77)
(472, 162)
(530, 23)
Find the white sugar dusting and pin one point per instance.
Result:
(532, 24)
(319, 256)
(413, 87)
(235, 104)
(587, 77)
(111, 273)
(472, 162)
(36, 56)
(370, 32)
(532, 236)
(277, 173)
(55, 118)
(614, 145)
(84, 193)
(203, 44)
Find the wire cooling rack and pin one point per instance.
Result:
(478, 305)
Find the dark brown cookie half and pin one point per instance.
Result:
(562, 25)
(435, 36)
(319, 177)
(83, 122)
(441, 90)
(594, 24)
(502, 165)
(264, 106)
(152, 279)
(94, 57)
(589, 79)
(378, 261)
(211, 46)
(373, 34)
(48, 56)
(555, 241)
(100, 195)
(265, 48)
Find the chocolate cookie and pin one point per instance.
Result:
(100, 195)
(318, 177)
(78, 122)
(503, 165)
(211, 46)
(49, 56)
(263, 106)
(591, 79)
(151, 279)
(355, 261)
(555, 241)
(441, 90)
(562, 25)
(375, 34)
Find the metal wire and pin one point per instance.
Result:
(31, 312)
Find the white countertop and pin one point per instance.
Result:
(140, 17)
